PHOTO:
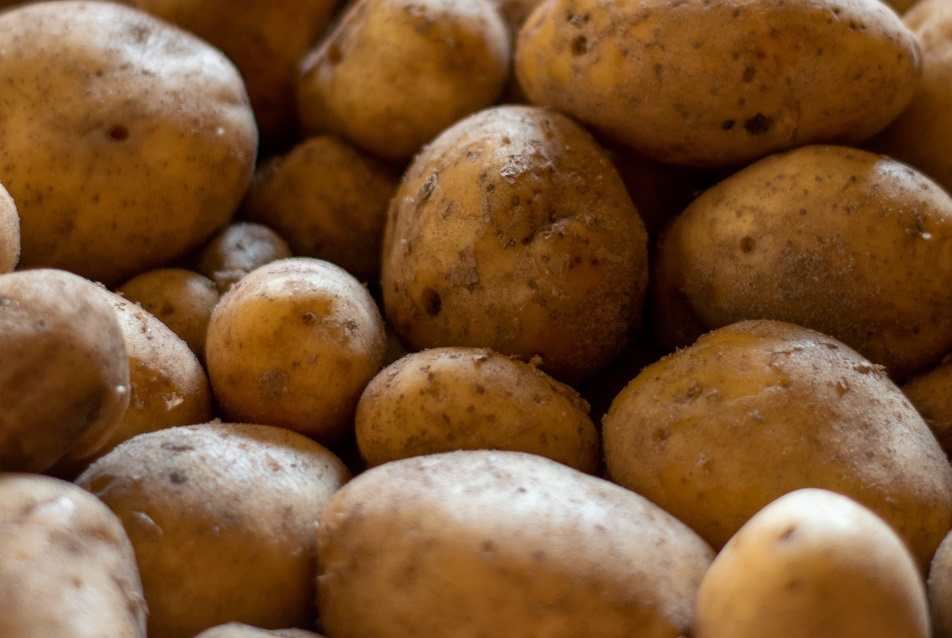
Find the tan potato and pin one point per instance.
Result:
(64, 382)
(329, 199)
(9, 232)
(719, 83)
(293, 344)
(939, 588)
(931, 393)
(222, 519)
(482, 543)
(67, 568)
(448, 59)
(446, 399)
(180, 298)
(236, 250)
(126, 141)
(813, 564)
(844, 241)
(513, 231)
(241, 630)
(756, 409)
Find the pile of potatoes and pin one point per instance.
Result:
(524, 318)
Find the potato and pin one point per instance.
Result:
(9, 232)
(67, 568)
(850, 243)
(329, 199)
(939, 588)
(236, 250)
(756, 409)
(813, 564)
(293, 344)
(222, 518)
(482, 543)
(446, 399)
(513, 231)
(931, 394)
(241, 630)
(448, 59)
(180, 298)
(64, 382)
(126, 141)
(720, 83)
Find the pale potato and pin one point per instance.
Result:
(9, 232)
(127, 141)
(241, 630)
(222, 518)
(236, 250)
(940, 589)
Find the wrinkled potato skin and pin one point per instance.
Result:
(446, 399)
(843, 241)
(489, 543)
(9, 232)
(513, 231)
(67, 568)
(931, 393)
(720, 83)
(236, 250)
(750, 411)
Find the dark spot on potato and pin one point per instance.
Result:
(177, 477)
(749, 74)
(727, 125)
(119, 133)
(309, 317)
(579, 45)
(758, 124)
(176, 447)
(432, 303)
(746, 244)
(427, 189)
(787, 533)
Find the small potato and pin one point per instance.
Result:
(222, 518)
(446, 399)
(293, 344)
(813, 564)
(236, 250)
(9, 232)
(241, 630)
(64, 380)
(482, 543)
(67, 568)
(931, 393)
(448, 59)
(329, 199)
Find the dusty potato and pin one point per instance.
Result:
(482, 543)
(67, 568)
(931, 393)
(756, 409)
(513, 231)
(813, 564)
(329, 199)
(64, 382)
(293, 344)
(445, 399)
(236, 250)
(448, 59)
(847, 242)
(241, 630)
(222, 517)
(9, 232)
(720, 83)
(126, 141)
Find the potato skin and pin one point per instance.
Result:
(513, 231)
(9, 232)
(720, 83)
(487, 543)
(236, 250)
(931, 394)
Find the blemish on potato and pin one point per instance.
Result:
(431, 301)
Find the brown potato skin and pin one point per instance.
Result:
(236, 250)
(931, 393)
(9, 232)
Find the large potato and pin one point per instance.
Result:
(720, 82)
(513, 231)
(850, 243)
(222, 518)
(756, 409)
(479, 543)
(126, 142)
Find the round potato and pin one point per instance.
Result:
(940, 589)
(126, 141)
(719, 83)
(813, 564)
(293, 344)
(448, 59)
(241, 630)
(222, 517)
(931, 393)
(67, 568)
(64, 382)
(9, 232)
(847, 242)
(236, 250)
(446, 399)
(715, 431)
(482, 543)
(513, 231)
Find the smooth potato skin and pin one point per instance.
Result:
(721, 83)
(931, 393)
(9, 232)
(236, 250)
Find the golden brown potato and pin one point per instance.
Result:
(64, 381)
(9, 232)
(293, 344)
(482, 543)
(931, 393)
(222, 517)
(513, 231)
(720, 83)
(329, 199)
(67, 568)
(126, 141)
(236, 250)
(844, 241)
(448, 59)
(446, 399)
(756, 409)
